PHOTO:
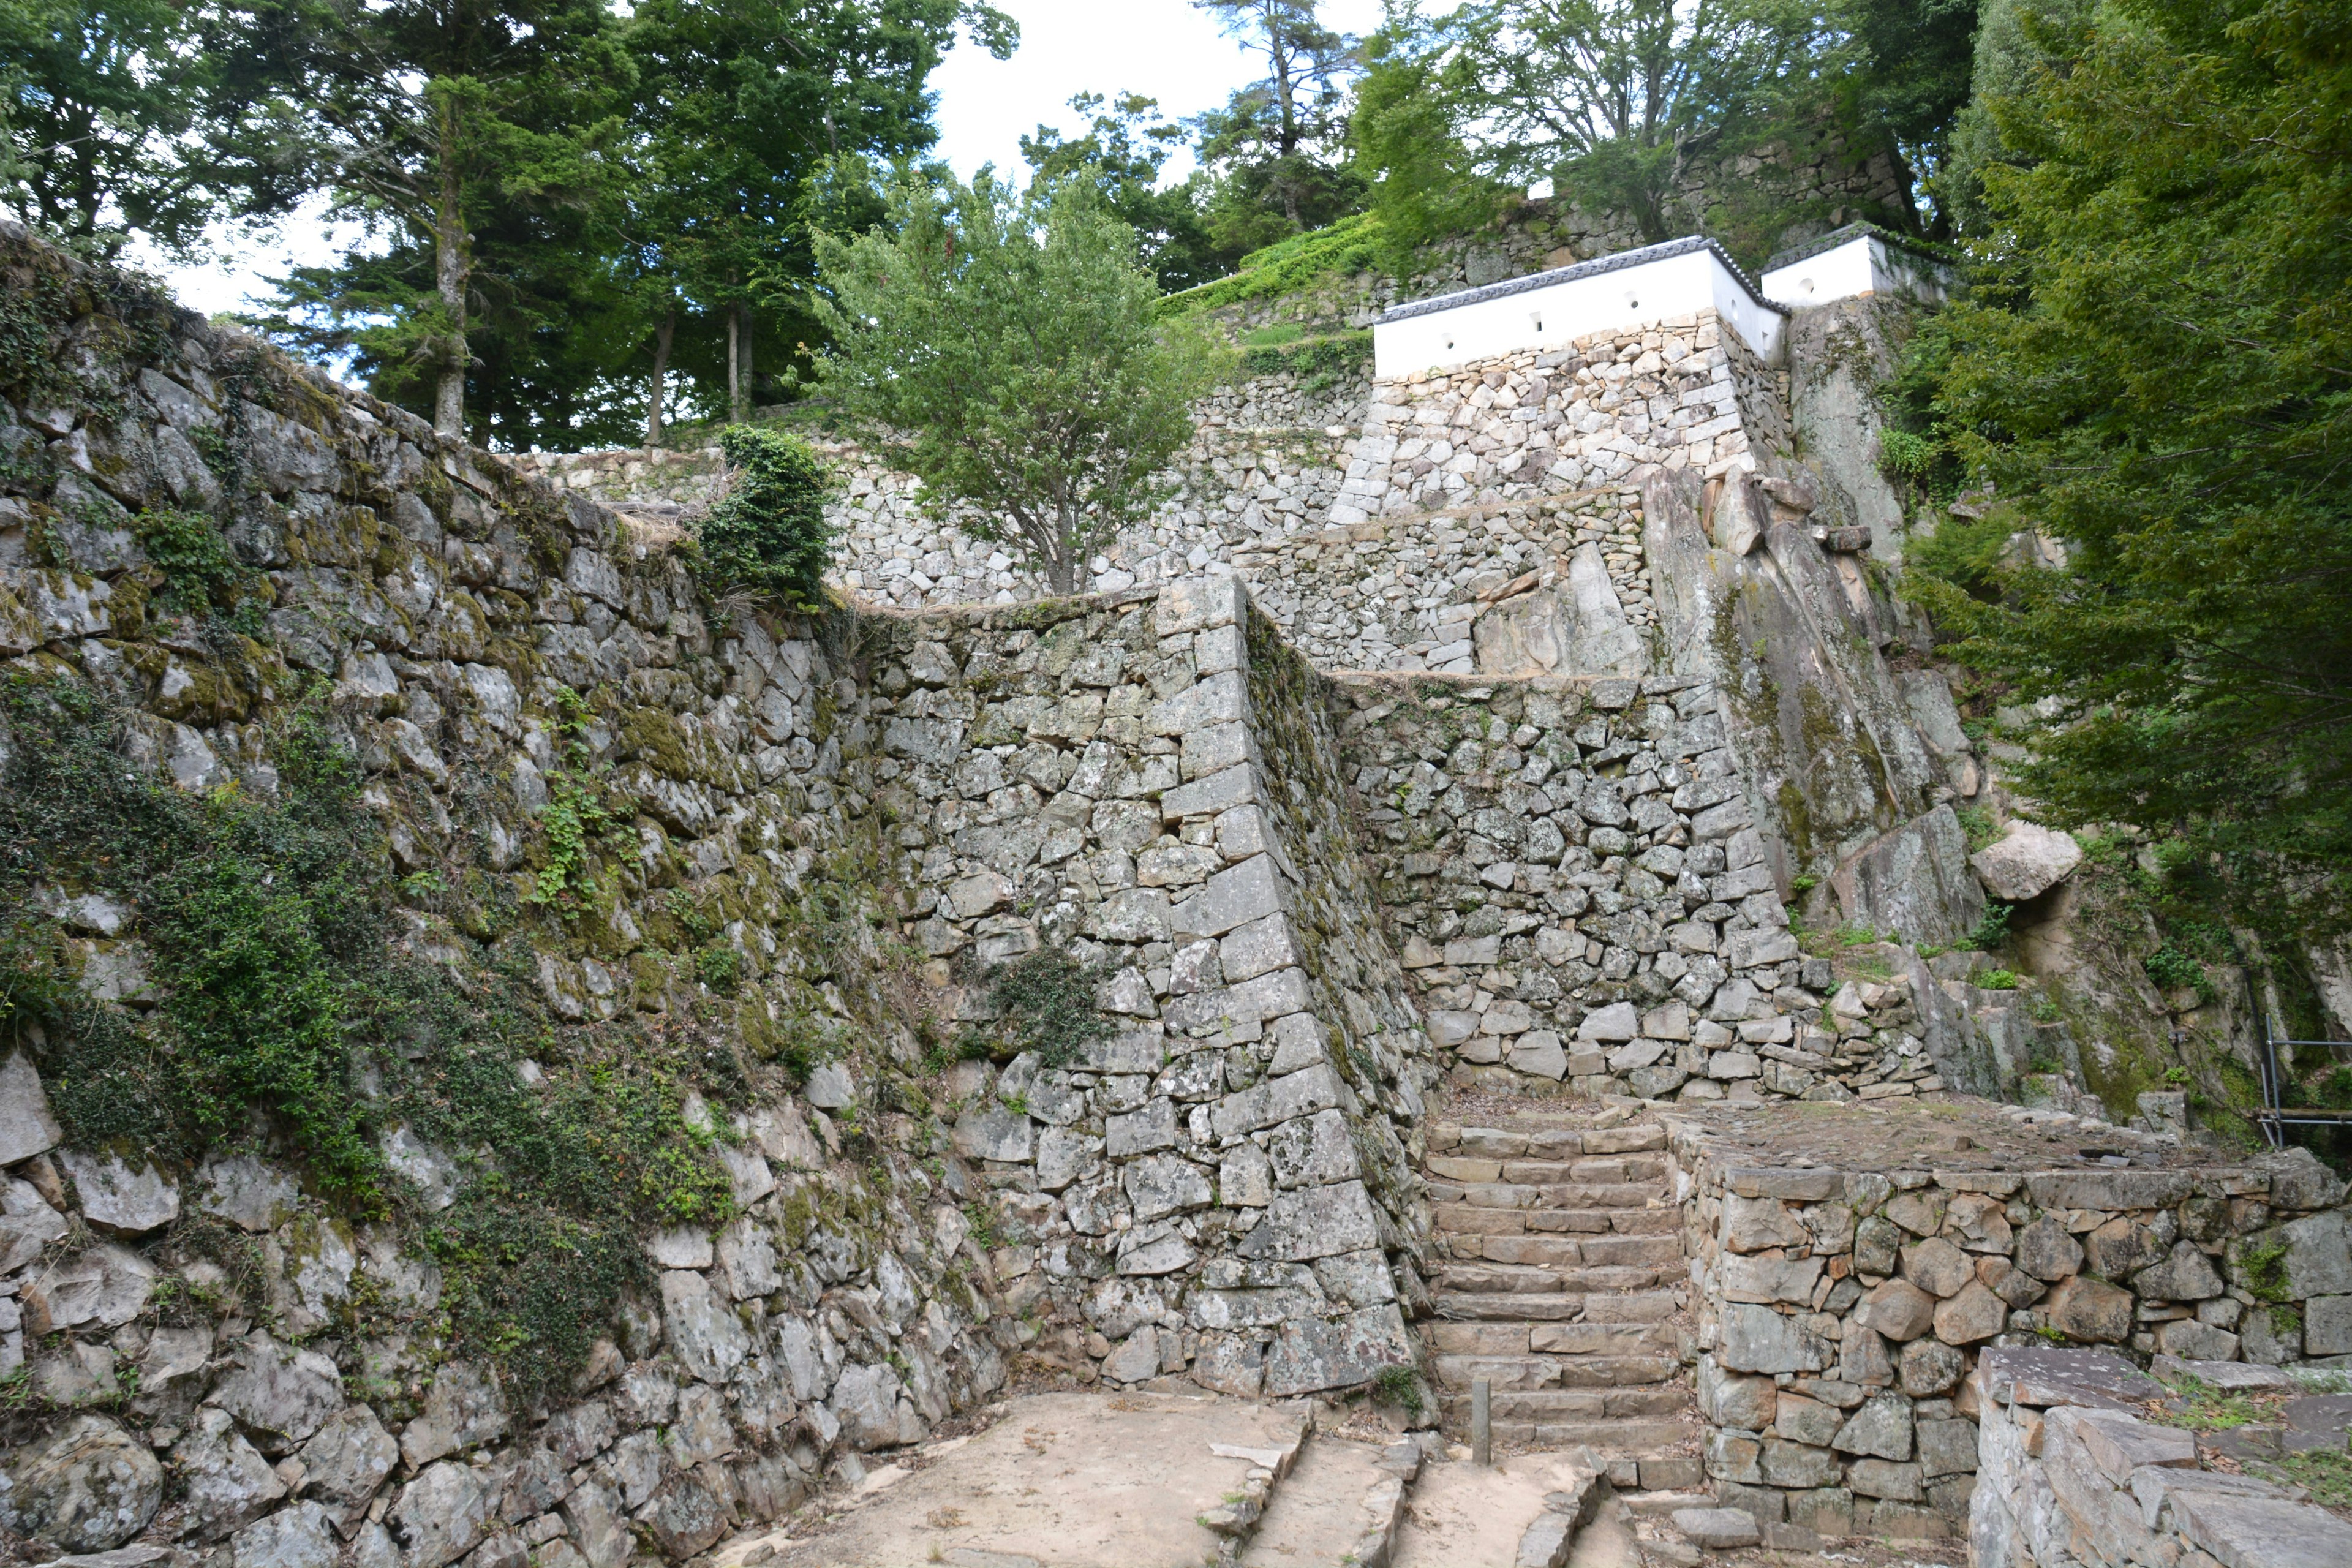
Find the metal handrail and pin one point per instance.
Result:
(2274, 1118)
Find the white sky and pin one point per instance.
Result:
(1162, 48)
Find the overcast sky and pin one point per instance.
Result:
(1163, 48)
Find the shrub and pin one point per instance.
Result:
(1048, 1002)
(768, 534)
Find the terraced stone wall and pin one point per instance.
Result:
(802, 845)
(1850, 1274)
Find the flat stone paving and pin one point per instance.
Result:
(1894, 1135)
(1465, 1516)
(1062, 1480)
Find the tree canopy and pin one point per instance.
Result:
(1004, 347)
(2156, 372)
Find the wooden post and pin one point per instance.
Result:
(1482, 1422)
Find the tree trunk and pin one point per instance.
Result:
(734, 368)
(451, 270)
(662, 336)
(743, 393)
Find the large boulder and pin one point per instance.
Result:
(2029, 861)
(89, 1488)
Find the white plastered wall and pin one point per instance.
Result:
(1864, 265)
(1558, 314)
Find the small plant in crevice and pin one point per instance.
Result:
(1046, 1000)
(1978, 827)
(2173, 970)
(1999, 980)
(1399, 1385)
(1992, 930)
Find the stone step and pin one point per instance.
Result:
(1570, 1252)
(1533, 1196)
(1460, 1305)
(1659, 1505)
(1506, 1338)
(1629, 1437)
(1517, 1375)
(1618, 1171)
(1463, 1219)
(1469, 1279)
(1548, 1142)
(1569, 1372)
(1646, 1400)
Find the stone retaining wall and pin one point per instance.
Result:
(1841, 1308)
(2069, 1473)
(1576, 883)
(1221, 1186)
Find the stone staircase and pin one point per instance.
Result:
(1559, 1281)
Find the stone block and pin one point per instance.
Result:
(2318, 1259)
(1806, 1186)
(1826, 1511)
(2240, 1531)
(1804, 1420)
(1930, 1368)
(1312, 1353)
(1945, 1448)
(1753, 1225)
(1974, 1315)
(1788, 1464)
(1937, 1266)
(1234, 897)
(2029, 860)
(1614, 1023)
(1767, 1280)
(2083, 1308)
(2327, 1325)
(1899, 1309)
(1881, 1429)
(2112, 1191)
(1314, 1222)
(1747, 1404)
(27, 1125)
(1717, 1529)
(1139, 1131)
(2046, 1251)
(1886, 1479)
(1195, 603)
(1760, 1339)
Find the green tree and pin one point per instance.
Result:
(1914, 64)
(2155, 369)
(99, 100)
(1616, 101)
(746, 111)
(423, 118)
(1003, 347)
(2016, 41)
(1276, 152)
(1126, 145)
